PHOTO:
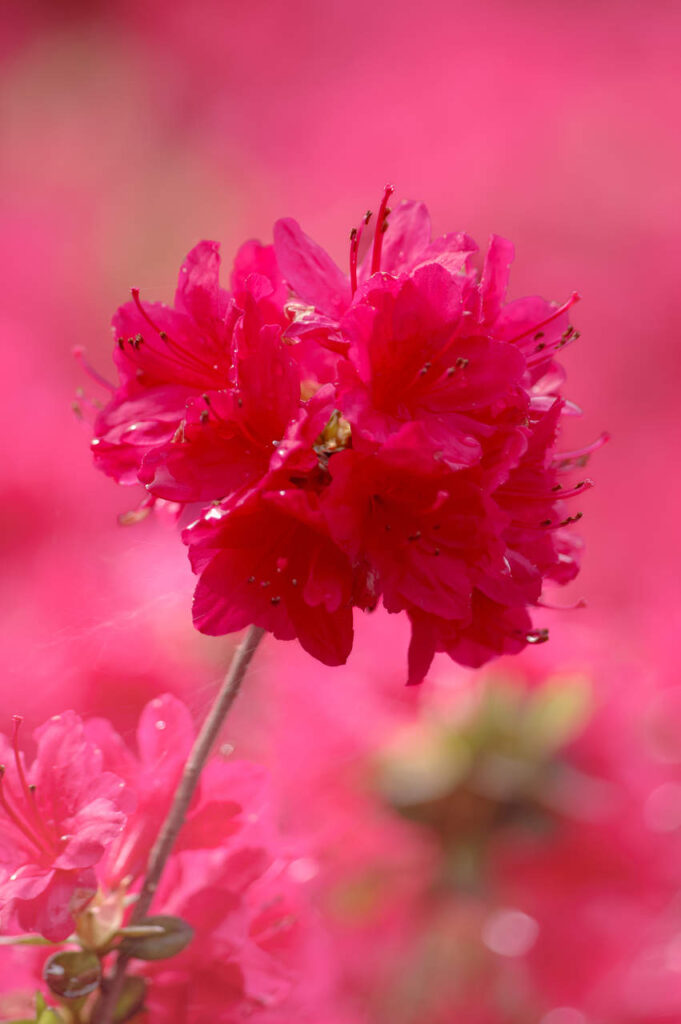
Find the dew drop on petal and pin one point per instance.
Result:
(160, 725)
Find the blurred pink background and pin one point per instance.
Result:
(130, 130)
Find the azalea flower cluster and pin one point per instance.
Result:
(76, 828)
(386, 434)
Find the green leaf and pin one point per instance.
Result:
(177, 934)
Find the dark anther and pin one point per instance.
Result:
(540, 346)
(120, 342)
(251, 579)
(353, 234)
(538, 335)
(294, 582)
(137, 340)
(275, 600)
(545, 522)
(388, 526)
(572, 519)
(240, 402)
(437, 526)
(414, 536)
(206, 399)
(367, 216)
(265, 583)
(437, 551)
(557, 487)
(450, 371)
(204, 416)
(163, 336)
(461, 363)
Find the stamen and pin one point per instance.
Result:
(354, 243)
(575, 297)
(180, 356)
(381, 228)
(16, 820)
(557, 492)
(579, 456)
(79, 355)
(355, 238)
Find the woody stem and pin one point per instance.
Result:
(170, 829)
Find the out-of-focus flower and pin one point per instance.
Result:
(385, 435)
(536, 823)
(231, 792)
(57, 817)
(256, 948)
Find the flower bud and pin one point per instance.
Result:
(72, 974)
(176, 935)
(98, 924)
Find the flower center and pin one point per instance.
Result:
(336, 435)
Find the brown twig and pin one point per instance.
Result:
(180, 805)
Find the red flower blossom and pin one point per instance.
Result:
(203, 385)
(387, 433)
(271, 561)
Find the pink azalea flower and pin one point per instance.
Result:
(384, 434)
(255, 947)
(453, 400)
(57, 818)
(270, 560)
(256, 954)
(198, 400)
(165, 736)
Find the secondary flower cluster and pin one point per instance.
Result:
(76, 828)
(386, 434)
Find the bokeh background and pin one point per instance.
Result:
(130, 130)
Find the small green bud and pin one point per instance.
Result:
(176, 935)
(72, 974)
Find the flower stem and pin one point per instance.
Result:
(176, 815)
